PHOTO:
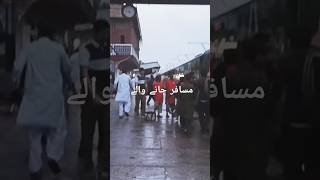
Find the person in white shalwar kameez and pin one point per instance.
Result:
(123, 97)
(42, 110)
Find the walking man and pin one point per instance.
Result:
(188, 101)
(158, 100)
(42, 110)
(171, 84)
(141, 97)
(94, 66)
(123, 96)
(203, 103)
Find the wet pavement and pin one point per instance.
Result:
(150, 150)
(143, 150)
(14, 148)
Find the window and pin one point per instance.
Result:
(122, 39)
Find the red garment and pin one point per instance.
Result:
(171, 84)
(158, 97)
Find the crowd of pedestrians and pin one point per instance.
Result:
(183, 98)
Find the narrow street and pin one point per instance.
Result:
(143, 149)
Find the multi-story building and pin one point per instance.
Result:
(125, 40)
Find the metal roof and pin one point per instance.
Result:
(206, 53)
(150, 65)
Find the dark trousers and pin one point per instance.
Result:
(90, 115)
(149, 99)
(140, 99)
(169, 108)
(203, 111)
(186, 122)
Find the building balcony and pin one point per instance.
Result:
(124, 56)
(123, 50)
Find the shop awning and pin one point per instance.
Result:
(128, 62)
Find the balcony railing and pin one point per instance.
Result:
(123, 50)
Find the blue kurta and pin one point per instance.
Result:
(43, 103)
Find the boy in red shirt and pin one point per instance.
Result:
(158, 98)
(171, 84)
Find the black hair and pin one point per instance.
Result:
(100, 25)
(141, 69)
(158, 78)
(124, 70)
(170, 73)
(46, 30)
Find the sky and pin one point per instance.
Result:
(171, 34)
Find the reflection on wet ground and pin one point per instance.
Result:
(143, 149)
(139, 149)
